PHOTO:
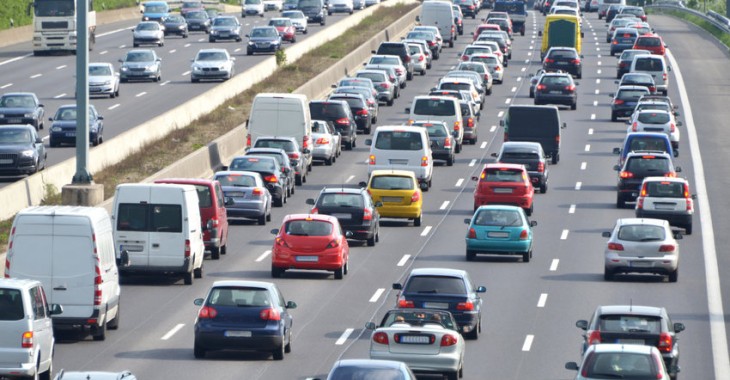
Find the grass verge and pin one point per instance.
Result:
(699, 21)
(159, 154)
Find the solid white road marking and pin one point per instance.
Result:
(472, 162)
(35, 76)
(263, 256)
(403, 260)
(173, 331)
(6, 85)
(484, 143)
(588, 148)
(564, 235)
(60, 67)
(59, 96)
(143, 93)
(344, 337)
(528, 343)
(426, 230)
(578, 185)
(542, 300)
(114, 106)
(186, 73)
(571, 210)
(583, 165)
(15, 59)
(377, 295)
(444, 205)
(459, 182)
(350, 178)
(237, 50)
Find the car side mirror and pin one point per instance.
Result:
(495, 155)
(397, 286)
(41, 105)
(418, 18)
(533, 223)
(669, 68)
(616, 168)
(373, 51)
(616, 150)
(616, 82)
(408, 109)
(334, 86)
(565, 125)
(38, 140)
(306, 151)
(539, 33)
(378, 204)
(198, 302)
(100, 117)
(56, 309)
(501, 123)
(676, 113)
(678, 236)
(291, 305)
(467, 221)
(678, 327)
(248, 36)
(309, 201)
(611, 95)
(678, 169)
(124, 260)
(50, 119)
(229, 201)
(606, 234)
(224, 167)
(571, 365)
(275, 231)
(368, 142)
(481, 289)
(675, 153)
(370, 326)
(679, 124)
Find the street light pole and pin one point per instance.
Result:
(82, 175)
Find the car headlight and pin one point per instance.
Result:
(149, 68)
(213, 32)
(28, 115)
(107, 83)
(197, 68)
(251, 43)
(27, 153)
(181, 27)
(55, 129)
(124, 68)
(2, 115)
(145, 18)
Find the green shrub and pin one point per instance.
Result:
(280, 57)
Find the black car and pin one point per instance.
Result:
(176, 25)
(646, 325)
(299, 158)
(287, 169)
(638, 79)
(442, 142)
(198, 21)
(21, 150)
(565, 59)
(338, 112)
(314, 10)
(468, 8)
(529, 154)
(360, 109)
(639, 165)
(556, 89)
(354, 209)
(400, 49)
(21, 108)
(625, 99)
(270, 171)
(263, 39)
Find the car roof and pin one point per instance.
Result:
(17, 283)
(242, 283)
(384, 172)
(651, 110)
(520, 145)
(629, 309)
(644, 221)
(236, 172)
(666, 179)
(370, 363)
(255, 150)
(286, 138)
(498, 207)
(187, 181)
(350, 189)
(447, 272)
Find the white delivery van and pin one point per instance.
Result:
(441, 15)
(285, 115)
(158, 226)
(401, 148)
(70, 250)
(654, 65)
(438, 108)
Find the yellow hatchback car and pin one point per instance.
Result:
(399, 192)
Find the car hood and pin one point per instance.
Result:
(136, 65)
(147, 33)
(210, 63)
(14, 148)
(100, 78)
(16, 110)
(173, 25)
(299, 21)
(197, 21)
(71, 124)
(265, 39)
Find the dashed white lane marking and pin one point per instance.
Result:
(528, 343)
(494, 128)
(35, 76)
(513, 89)
(599, 63)
(165, 83)
(578, 185)
(554, 265)
(143, 93)
(588, 148)
(595, 103)
(403, 260)
(507, 101)
(344, 336)
(350, 178)
(527, 61)
(114, 106)
(377, 295)
(523, 69)
(597, 43)
(484, 143)
(186, 73)
(529, 53)
(173, 51)
(263, 256)
(60, 67)
(564, 235)
(473, 162)
(104, 52)
(426, 230)
(598, 81)
(201, 39)
(459, 182)
(173, 331)
(590, 131)
(59, 96)
(597, 91)
(186, 45)
(599, 71)
(367, 161)
(583, 165)
(599, 56)
(571, 210)
(444, 205)
(542, 300)
(6, 85)
(500, 114)
(593, 116)
(122, 46)
(519, 79)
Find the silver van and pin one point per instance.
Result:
(656, 66)
(401, 148)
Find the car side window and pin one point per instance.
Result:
(37, 303)
(282, 302)
(219, 195)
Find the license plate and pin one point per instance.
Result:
(15, 120)
(414, 339)
(556, 92)
(664, 206)
(308, 259)
(503, 190)
(236, 194)
(342, 216)
(70, 134)
(393, 199)
(398, 162)
(640, 264)
(631, 341)
(130, 248)
(237, 334)
(224, 34)
(436, 305)
(6, 161)
(498, 234)
(562, 63)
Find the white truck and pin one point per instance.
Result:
(54, 25)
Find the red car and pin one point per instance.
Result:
(213, 215)
(652, 42)
(286, 29)
(484, 27)
(504, 184)
(310, 241)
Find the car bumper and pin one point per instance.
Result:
(520, 201)
(210, 74)
(260, 339)
(9, 119)
(260, 49)
(132, 268)
(385, 96)
(498, 246)
(674, 218)
(556, 98)
(20, 363)
(138, 75)
(400, 211)
(438, 363)
(69, 138)
(622, 112)
(246, 210)
(225, 36)
(420, 65)
(660, 265)
(147, 41)
(322, 153)
(196, 27)
(293, 260)
(423, 173)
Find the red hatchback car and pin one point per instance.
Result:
(504, 184)
(650, 42)
(213, 215)
(310, 241)
(286, 29)
(484, 27)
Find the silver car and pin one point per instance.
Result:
(620, 361)
(327, 146)
(103, 80)
(225, 28)
(642, 246)
(394, 61)
(386, 90)
(246, 195)
(298, 19)
(141, 64)
(148, 32)
(424, 47)
(653, 120)
(419, 58)
(212, 64)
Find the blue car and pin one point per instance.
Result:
(501, 230)
(243, 316)
(63, 127)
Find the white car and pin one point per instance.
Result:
(212, 64)
(654, 120)
(342, 6)
(298, 19)
(149, 33)
(667, 198)
(326, 140)
(419, 58)
(103, 79)
(252, 8)
(427, 340)
(273, 5)
(495, 49)
(393, 61)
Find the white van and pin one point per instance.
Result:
(439, 108)
(70, 250)
(285, 115)
(655, 65)
(159, 227)
(401, 148)
(441, 15)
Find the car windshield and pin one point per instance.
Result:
(623, 365)
(653, 118)
(148, 26)
(435, 285)
(562, 54)
(11, 305)
(286, 145)
(253, 164)
(17, 101)
(519, 155)
(237, 180)
(279, 22)
(155, 8)
(308, 228)
(641, 233)
(502, 175)
(498, 218)
(211, 56)
(414, 49)
(638, 78)
(174, 19)
(653, 106)
(647, 143)
(140, 57)
(319, 127)
(239, 297)
(476, 49)
(387, 182)
(341, 200)
(197, 15)
(10, 136)
(253, 2)
(224, 21)
(398, 140)
(192, 4)
(264, 32)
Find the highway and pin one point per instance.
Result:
(529, 309)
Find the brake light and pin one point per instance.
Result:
(625, 174)
(549, 60)
(643, 191)
(557, 139)
(615, 246)
(27, 339)
(7, 268)
(622, 64)
(541, 87)
(505, 137)
(594, 337)
(281, 242)
(457, 125)
(640, 202)
(540, 167)
(322, 141)
(666, 248)
(664, 76)
(615, 42)
(314, 210)
(464, 57)
(575, 61)
(524, 235)
(385, 85)
(415, 197)
(362, 112)
(207, 312)
(570, 88)
(399, 71)
(431, 43)
(652, 88)
(97, 282)
(448, 340)
(686, 191)
(271, 178)
(447, 142)
(465, 306)
(408, 58)
(424, 161)
(248, 141)
(333, 244)
(343, 121)
(421, 58)
(470, 122)
(257, 192)
(380, 338)
(270, 314)
(472, 234)
(498, 68)
(471, 7)
(665, 342)
(670, 174)
(367, 214)
(689, 204)
(618, 102)
(635, 127)
(187, 247)
(294, 155)
(672, 127)
(405, 303)
(392, 78)
(372, 160)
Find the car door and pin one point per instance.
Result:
(42, 324)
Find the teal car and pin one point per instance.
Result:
(501, 230)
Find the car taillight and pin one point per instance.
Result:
(626, 174)
(7, 268)
(207, 312)
(575, 61)
(615, 42)
(457, 125)
(447, 142)
(431, 43)
(666, 248)
(472, 234)
(294, 156)
(248, 141)
(322, 141)
(421, 58)
(408, 58)
(664, 76)
(27, 339)
(465, 306)
(448, 340)
(665, 342)
(367, 214)
(333, 244)
(271, 178)
(371, 161)
(385, 85)
(343, 121)
(470, 122)
(640, 202)
(465, 58)
(391, 78)
(270, 314)
(380, 338)
(622, 64)
(557, 139)
(505, 137)
(618, 102)
(672, 127)
(541, 87)
(524, 235)
(594, 337)
(540, 167)
(415, 197)
(97, 282)
(498, 68)
(424, 161)
(281, 242)
(615, 246)
(689, 204)
(471, 7)
(362, 112)
(549, 60)
(570, 88)
(257, 192)
(670, 174)
(187, 248)
(405, 303)
(399, 71)
(634, 127)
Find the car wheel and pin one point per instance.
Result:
(339, 273)
(450, 161)
(409, 76)
(674, 276)
(215, 253)
(305, 31)
(620, 201)
(188, 278)
(47, 375)
(452, 375)
(423, 72)
(249, 52)
(298, 180)
(473, 334)
(574, 106)
(470, 255)
(614, 117)
(371, 241)
(211, 39)
(114, 323)
(390, 102)
(328, 161)
(278, 353)
(96, 141)
(287, 348)
(532, 94)
(688, 229)
(198, 273)
(607, 274)
(276, 272)
(198, 352)
(279, 202)
(346, 268)
(543, 188)
(458, 148)
(99, 332)
(135, 45)
(268, 216)
(52, 143)
(417, 221)
(224, 248)
(556, 158)
(526, 256)
(451, 43)
(529, 211)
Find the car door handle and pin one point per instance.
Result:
(62, 287)
(155, 245)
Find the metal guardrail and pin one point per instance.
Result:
(716, 19)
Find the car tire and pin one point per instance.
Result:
(674, 276)
(526, 257)
(211, 39)
(579, 75)
(452, 375)
(249, 52)
(328, 161)
(198, 352)
(556, 158)
(298, 180)
(688, 229)
(135, 45)
(409, 76)
(371, 241)
(278, 352)
(390, 102)
(543, 188)
(47, 375)
(451, 43)
(339, 272)
(450, 161)
(215, 253)
(607, 274)
(305, 31)
(574, 106)
(114, 323)
(188, 278)
(532, 94)
(423, 72)
(620, 201)
(614, 117)
(470, 255)
(529, 211)
(224, 248)
(198, 273)
(99, 332)
(458, 148)
(417, 221)
(276, 272)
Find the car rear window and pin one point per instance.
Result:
(519, 156)
(648, 41)
(327, 110)
(308, 228)
(649, 64)
(647, 166)
(647, 143)
(653, 118)
(434, 107)
(454, 86)
(237, 180)
(239, 296)
(287, 146)
(486, 60)
(356, 372)
(502, 175)
(341, 200)
(254, 164)
(435, 285)
(384, 61)
(471, 67)
(625, 365)
(435, 130)
(391, 49)
(387, 182)
(398, 140)
(665, 189)
(641, 233)
(204, 197)
(498, 218)
(149, 217)
(630, 323)
(353, 102)
(11, 305)
(561, 54)
(427, 36)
